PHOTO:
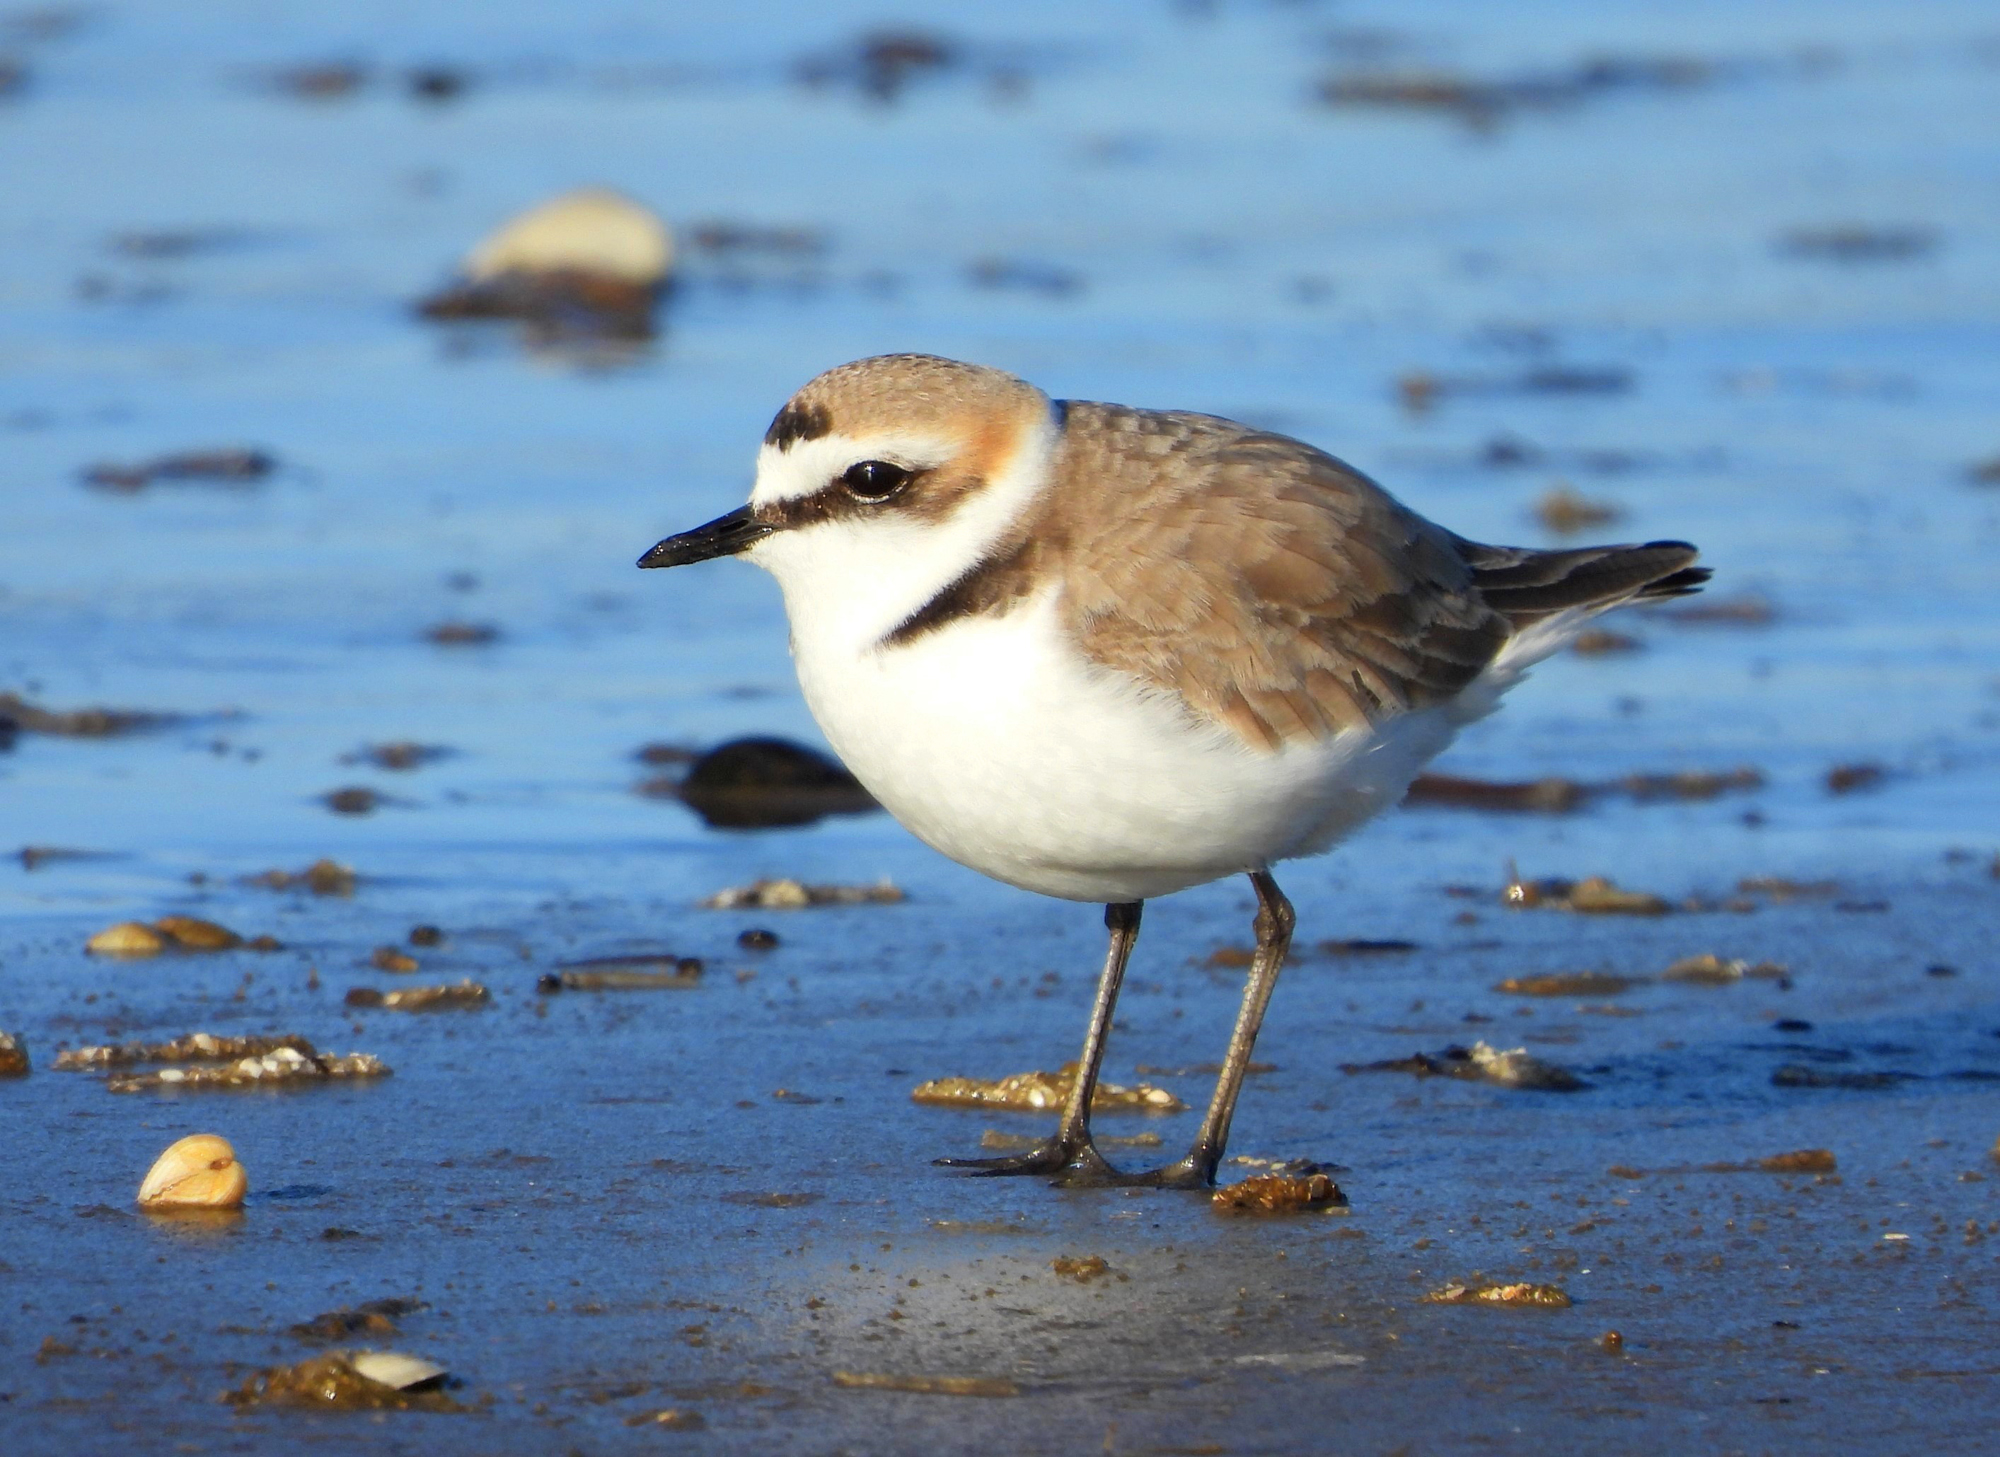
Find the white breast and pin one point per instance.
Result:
(998, 744)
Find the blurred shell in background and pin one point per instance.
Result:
(592, 230)
(589, 264)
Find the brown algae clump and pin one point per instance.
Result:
(322, 877)
(77, 723)
(1592, 896)
(1798, 1161)
(622, 973)
(1540, 796)
(1512, 1068)
(198, 1172)
(1599, 642)
(462, 993)
(350, 1381)
(927, 1385)
(227, 466)
(1080, 1268)
(1564, 509)
(1478, 1292)
(793, 895)
(1569, 984)
(1037, 1092)
(371, 1318)
(353, 800)
(195, 1047)
(1598, 896)
(193, 934)
(291, 1060)
(1708, 969)
(1279, 1194)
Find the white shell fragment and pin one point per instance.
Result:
(793, 895)
(393, 1368)
(591, 231)
(1519, 1068)
(199, 1172)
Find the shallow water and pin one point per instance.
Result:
(1187, 226)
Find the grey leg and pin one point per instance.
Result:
(1069, 1154)
(1274, 938)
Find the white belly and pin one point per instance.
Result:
(994, 742)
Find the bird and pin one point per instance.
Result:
(1105, 653)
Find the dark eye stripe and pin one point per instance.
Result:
(939, 496)
(831, 502)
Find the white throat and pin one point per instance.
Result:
(849, 583)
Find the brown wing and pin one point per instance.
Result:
(1269, 586)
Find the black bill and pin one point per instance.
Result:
(724, 536)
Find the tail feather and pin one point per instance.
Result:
(1526, 586)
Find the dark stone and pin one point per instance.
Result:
(437, 83)
(559, 305)
(765, 783)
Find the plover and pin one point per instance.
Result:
(1106, 653)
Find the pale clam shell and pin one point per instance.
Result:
(592, 230)
(393, 1368)
(127, 938)
(198, 1172)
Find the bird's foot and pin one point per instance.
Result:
(1196, 1171)
(1069, 1161)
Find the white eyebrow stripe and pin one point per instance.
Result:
(807, 466)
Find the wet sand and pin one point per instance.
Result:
(716, 1199)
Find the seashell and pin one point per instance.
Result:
(196, 934)
(784, 895)
(592, 231)
(127, 938)
(394, 1369)
(199, 1172)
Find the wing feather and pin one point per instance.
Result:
(1269, 586)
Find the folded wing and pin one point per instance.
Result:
(1278, 591)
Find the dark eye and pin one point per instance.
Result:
(875, 480)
